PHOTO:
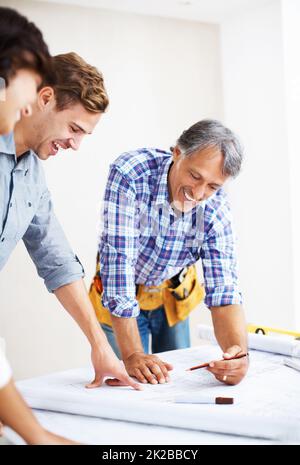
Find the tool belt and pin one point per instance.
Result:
(178, 301)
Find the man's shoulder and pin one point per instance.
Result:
(141, 163)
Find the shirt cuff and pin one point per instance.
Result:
(122, 307)
(223, 295)
(65, 274)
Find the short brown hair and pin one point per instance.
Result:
(21, 46)
(76, 81)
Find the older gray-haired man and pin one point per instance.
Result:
(163, 212)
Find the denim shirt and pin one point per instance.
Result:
(26, 212)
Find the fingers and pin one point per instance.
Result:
(168, 366)
(124, 382)
(224, 365)
(137, 373)
(127, 381)
(221, 373)
(114, 382)
(159, 370)
(228, 379)
(156, 371)
(149, 373)
(229, 371)
(96, 383)
(148, 368)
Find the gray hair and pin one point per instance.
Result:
(212, 133)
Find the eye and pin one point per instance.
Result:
(73, 129)
(214, 188)
(194, 177)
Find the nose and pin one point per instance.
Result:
(75, 143)
(26, 111)
(199, 193)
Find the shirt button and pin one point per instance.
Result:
(10, 204)
(3, 239)
(29, 204)
(25, 174)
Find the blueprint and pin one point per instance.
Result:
(266, 402)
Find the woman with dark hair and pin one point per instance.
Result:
(24, 63)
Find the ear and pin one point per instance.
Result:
(176, 153)
(46, 97)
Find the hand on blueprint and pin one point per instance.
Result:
(105, 364)
(146, 368)
(230, 371)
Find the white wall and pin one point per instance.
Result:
(162, 75)
(253, 63)
(291, 35)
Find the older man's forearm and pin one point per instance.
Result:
(230, 326)
(127, 335)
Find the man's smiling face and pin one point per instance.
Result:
(195, 177)
(53, 130)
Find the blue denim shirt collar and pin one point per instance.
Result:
(8, 147)
(7, 144)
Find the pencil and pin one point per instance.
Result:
(223, 360)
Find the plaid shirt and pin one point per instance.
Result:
(145, 242)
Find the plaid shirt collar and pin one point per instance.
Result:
(161, 194)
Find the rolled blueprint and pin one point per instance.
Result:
(283, 345)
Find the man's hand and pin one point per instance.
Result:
(230, 371)
(145, 368)
(75, 300)
(148, 368)
(106, 363)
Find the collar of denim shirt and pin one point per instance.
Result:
(7, 144)
(8, 147)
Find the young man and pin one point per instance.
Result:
(162, 213)
(24, 62)
(61, 116)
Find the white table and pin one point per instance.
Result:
(265, 370)
(91, 430)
